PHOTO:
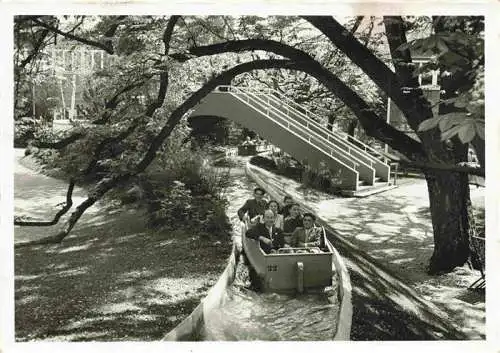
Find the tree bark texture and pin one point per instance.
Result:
(452, 219)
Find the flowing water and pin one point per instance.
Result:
(248, 315)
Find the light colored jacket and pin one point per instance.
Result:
(306, 238)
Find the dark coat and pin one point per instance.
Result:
(253, 208)
(285, 211)
(260, 230)
(292, 223)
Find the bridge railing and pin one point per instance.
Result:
(312, 119)
(274, 114)
(331, 143)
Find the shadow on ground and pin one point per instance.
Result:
(111, 280)
(385, 309)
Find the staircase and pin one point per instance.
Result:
(359, 169)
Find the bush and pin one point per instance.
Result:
(182, 191)
(322, 179)
(224, 162)
(264, 163)
(24, 131)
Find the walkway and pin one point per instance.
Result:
(394, 229)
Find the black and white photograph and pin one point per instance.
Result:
(248, 177)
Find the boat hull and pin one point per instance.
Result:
(289, 272)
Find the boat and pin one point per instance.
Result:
(290, 269)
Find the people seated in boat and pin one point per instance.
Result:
(307, 236)
(248, 142)
(287, 202)
(292, 222)
(254, 208)
(269, 236)
(278, 218)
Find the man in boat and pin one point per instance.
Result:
(288, 202)
(269, 236)
(294, 220)
(308, 236)
(253, 207)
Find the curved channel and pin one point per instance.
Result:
(248, 315)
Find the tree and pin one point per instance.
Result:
(447, 183)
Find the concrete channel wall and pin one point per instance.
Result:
(189, 329)
(344, 319)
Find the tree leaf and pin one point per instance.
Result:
(461, 101)
(449, 120)
(466, 133)
(450, 133)
(428, 124)
(480, 129)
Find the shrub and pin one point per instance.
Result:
(182, 190)
(322, 179)
(24, 130)
(173, 210)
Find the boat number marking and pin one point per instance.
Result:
(272, 268)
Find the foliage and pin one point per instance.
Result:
(136, 103)
(457, 45)
(322, 178)
(24, 131)
(199, 207)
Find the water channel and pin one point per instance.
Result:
(249, 315)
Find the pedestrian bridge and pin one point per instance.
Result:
(296, 131)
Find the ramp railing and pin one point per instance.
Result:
(261, 105)
(294, 111)
(313, 118)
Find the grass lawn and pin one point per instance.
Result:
(111, 278)
(113, 281)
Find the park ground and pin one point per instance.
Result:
(112, 279)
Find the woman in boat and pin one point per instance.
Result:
(278, 218)
(307, 236)
(269, 236)
(255, 207)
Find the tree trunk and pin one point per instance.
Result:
(452, 219)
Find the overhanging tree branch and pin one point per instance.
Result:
(371, 122)
(59, 214)
(410, 101)
(106, 47)
(36, 49)
(109, 183)
(150, 110)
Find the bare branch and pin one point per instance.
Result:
(357, 23)
(479, 171)
(167, 35)
(36, 49)
(59, 214)
(68, 35)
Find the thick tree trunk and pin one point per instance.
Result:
(452, 219)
